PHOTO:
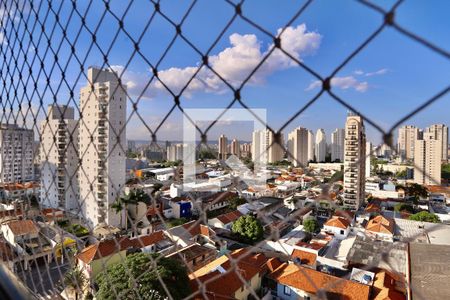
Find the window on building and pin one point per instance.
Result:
(342, 231)
(287, 290)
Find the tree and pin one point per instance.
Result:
(425, 216)
(404, 207)
(133, 197)
(337, 176)
(75, 280)
(235, 202)
(445, 171)
(416, 190)
(311, 225)
(137, 277)
(248, 227)
(401, 174)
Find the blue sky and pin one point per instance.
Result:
(388, 79)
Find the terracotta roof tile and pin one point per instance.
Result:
(305, 257)
(339, 222)
(22, 227)
(310, 281)
(384, 287)
(229, 217)
(381, 224)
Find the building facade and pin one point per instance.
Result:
(16, 154)
(264, 147)
(102, 146)
(175, 152)
(427, 161)
(311, 145)
(337, 144)
(59, 159)
(223, 144)
(321, 145)
(235, 148)
(297, 146)
(354, 162)
(407, 136)
(439, 132)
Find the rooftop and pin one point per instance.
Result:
(339, 222)
(381, 224)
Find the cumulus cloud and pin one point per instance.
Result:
(234, 64)
(347, 82)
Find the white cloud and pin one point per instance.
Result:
(344, 83)
(379, 72)
(234, 64)
(358, 72)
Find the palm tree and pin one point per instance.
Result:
(75, 279)
(118, 207)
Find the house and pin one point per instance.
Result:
(339, 226)
(94, 258)
(215, 201)
(178, 207)
(381, 228)
(191, 232)
(195, 256)
(222, 280)
(292, 281)
(225, 221)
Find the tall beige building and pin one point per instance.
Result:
(262, 149)
(235, 148)
(16, 154)
(321, 145)
(298, 146)
(59, 159)
(175, 152)
(311, 145)
(354, 162)
(439, 132)
(337, 144)
(427, 160)
(407, 136)
(223, 147)
(102, 145)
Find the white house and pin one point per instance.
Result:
(338, 226)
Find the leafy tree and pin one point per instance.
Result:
(133, 197)
(176, 222)
(206, 154)
(404, 207)
(416, 190)
(338, 176)
(248, 227)
(445, 171)
(75, 279)
(235, 202)
(137, 277)
(311, 225)
(425, 216)
(401, 174)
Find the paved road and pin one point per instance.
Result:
(43, 281)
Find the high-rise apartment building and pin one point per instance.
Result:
(427, 161)
(102, 145)
(223, 144)
(407, 136)
(16, 154)
(337, 144)
(235, 148)
(321, 145)
(59, 159)
(368, 160)
(439, 132)
(354, 162)
(175, 152)
(246, 150)
(311, 144)
(297, 146)
(264, 147)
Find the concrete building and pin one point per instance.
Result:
(337, 144)
(175, 152)
(59, 159)
(16, 154)
(368, 156)
(321, 145)
(223, 143)
(407, 135)
(103, 145)
(262, 149)
(246, 150)
(439, 132)
(297, 146)
(354, 162)
(311, 145)
(235, 148)
(427, 161)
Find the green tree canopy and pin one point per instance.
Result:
(248, 227)
(445, 171)
(404, 207)
(311, 225)
(236, 201)
(137, 278)
(425, 216)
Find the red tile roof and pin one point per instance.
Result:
(338, 222)
(22, 227)
(311, 281)
(11, 213)
(305, 257)
(384, 285)
(381, 224)
(195, 228)
(229, 217)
